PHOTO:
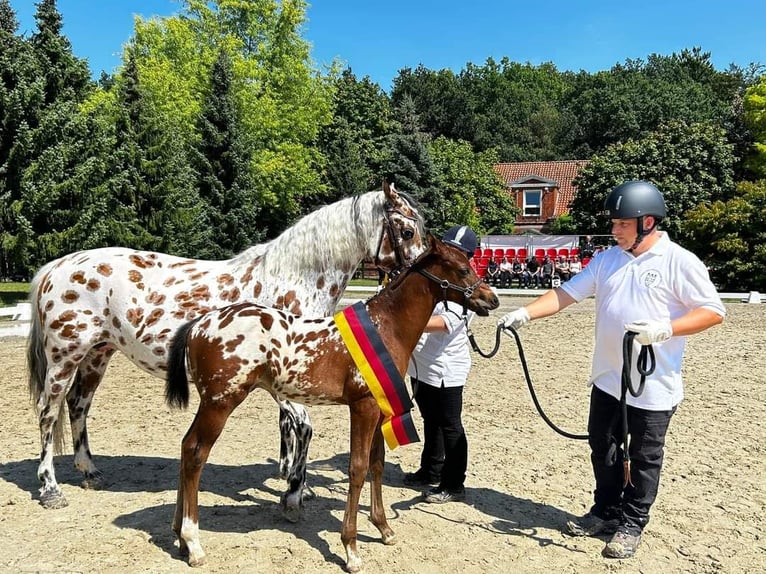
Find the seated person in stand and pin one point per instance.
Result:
(575, 266)
(493, 273)
(562, 269)
(546, 272)
(505, 272)
(517, 272)
(532, 275)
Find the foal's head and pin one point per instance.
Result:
(452, 278)
(403, 238)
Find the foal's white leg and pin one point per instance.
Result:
(49, 407)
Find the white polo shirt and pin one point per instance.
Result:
(443, 357)
(665, 282)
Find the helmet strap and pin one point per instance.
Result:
(642, 232)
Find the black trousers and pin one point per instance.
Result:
(445, 447)
(647, 430)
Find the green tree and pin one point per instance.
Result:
(635, 98)
(407, 161)
(352, 143)
(223, 165)
(690, 164)
(281, 100)
(755, 116)
(730, 236)
(470, 192)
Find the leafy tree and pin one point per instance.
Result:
(281, 100)
(439, 98)
(690, 164)
(730, 236)
(755, 116)
(352, 143)
(470, 192)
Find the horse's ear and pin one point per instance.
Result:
(391, 194)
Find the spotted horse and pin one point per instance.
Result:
(236, 349)
(90, 304)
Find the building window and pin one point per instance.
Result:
(533, 202)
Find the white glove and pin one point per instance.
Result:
(515, 319)
(648, 332)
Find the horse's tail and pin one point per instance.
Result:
(176, 383)
(37, 361)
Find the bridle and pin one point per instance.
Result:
(446, 286)
(388, 227)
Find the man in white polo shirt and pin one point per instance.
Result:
(650, 286)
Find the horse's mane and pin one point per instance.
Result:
(338, 233)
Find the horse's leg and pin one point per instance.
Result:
(79, 399)
(296, 430)
(286, 441)
(365, 414)
(195, 449)
(377, 511)
(49, 406)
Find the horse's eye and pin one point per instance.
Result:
(407, 234)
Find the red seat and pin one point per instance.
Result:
(499, 254)
(564, 252)
(585, 261)
(574, 251)
(510, 254)
(477, 253)
(487, 252)
(551, 252)
(539, 252)
(522, 253)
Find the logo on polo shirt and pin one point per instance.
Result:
(651, 278)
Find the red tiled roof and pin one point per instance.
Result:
(562, 172)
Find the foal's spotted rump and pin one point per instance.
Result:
(90, 304)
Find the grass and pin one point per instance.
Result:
(11, 293)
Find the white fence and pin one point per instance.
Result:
(20, 317)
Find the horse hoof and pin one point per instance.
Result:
(93, 482)
(194, 562)
(291, 512)
(53, 500)
(354, 565)
(389, 539)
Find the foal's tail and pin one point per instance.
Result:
(37, 361)
(176, 383)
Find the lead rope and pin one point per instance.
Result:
(645, 366)
(524, 366)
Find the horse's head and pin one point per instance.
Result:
(453, 278)
(403, 238)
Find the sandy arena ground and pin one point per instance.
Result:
(524, 481)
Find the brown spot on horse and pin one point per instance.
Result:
(104, 269)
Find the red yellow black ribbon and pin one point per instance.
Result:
(377, 367)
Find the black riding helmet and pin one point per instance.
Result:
(462, 237)
(636, 199)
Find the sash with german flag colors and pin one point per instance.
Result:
(377, 367)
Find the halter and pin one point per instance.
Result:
(389, 226)
(446, 285)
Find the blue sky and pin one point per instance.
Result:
(377, 39)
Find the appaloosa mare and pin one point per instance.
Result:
(90, 304)
(231, 351)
